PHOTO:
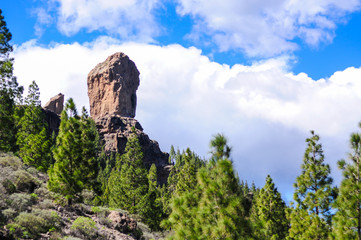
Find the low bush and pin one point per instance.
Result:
(24, 181)
(20, 201)
(8, 160)
(84, 227)
(31, 225)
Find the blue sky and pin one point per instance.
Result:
(262, 72)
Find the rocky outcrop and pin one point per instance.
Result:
(121, 222)
(115, 130)
(56, 104)
(112, 87)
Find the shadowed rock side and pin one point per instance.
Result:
(115, 130)
(55, 104)
(112, 87)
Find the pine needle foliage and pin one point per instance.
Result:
(314, 195)
(128, 181)
(32, 136)
(75, 166)
(268, 214)
(347, 221)
(10, 91)
(212, 208)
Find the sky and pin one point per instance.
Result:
(264, 72)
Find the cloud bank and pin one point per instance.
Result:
(264, 28)
(259, 28)
(184, 98)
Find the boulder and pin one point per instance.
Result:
(55, 104)
(112, 87)
(121, 222)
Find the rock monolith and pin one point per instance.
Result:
(112, 87)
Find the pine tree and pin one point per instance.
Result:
(219, 147)
(75, 165)
(347, 221)
(10, 91)
(268, 214)
(32, 138)
(89, 150)
(187, 177)
(314, 195)
(213, 208)
(127, 183)
(151, 207)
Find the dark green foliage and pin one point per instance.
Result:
(75, 154)
(32, 138)
(151, 206)
(10, 92)
(213, 208)
(219, 147)
(268, 215)
(187, 177)
(313, 194)
(182, 176)
(106, 164)
(128, 182)
(347, 221)
(249, 195)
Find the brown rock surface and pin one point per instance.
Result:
(55, 104)
(112, 87)
(115, 130)
(122, 222)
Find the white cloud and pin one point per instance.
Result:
(129, 19)
(184, 98)
(267, 28)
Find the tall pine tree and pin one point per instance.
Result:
(32, 138)
(75, 165)
(347, 221)
(268, 214)
(10, 91)
(314, 195)
(151, 206)
(213, 208)
(128, 182)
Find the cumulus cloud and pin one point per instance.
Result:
(184, 98)
(266, 28)
(130, 19)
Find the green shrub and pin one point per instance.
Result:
(100, 211)
(9, 213)
(46, 204)
(42, 192)
(24, 181)
(9, 186)
(20, 201)
(31, 225)
(7, 160)
(84, 227)
(87, 196)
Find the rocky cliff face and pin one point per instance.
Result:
(52, 110)
(55, 104)
(112, 87)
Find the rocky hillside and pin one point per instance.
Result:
(30, 211)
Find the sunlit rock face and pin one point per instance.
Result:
(112, 87)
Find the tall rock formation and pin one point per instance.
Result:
(55, 104)
(52, 111)
(112, 87)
